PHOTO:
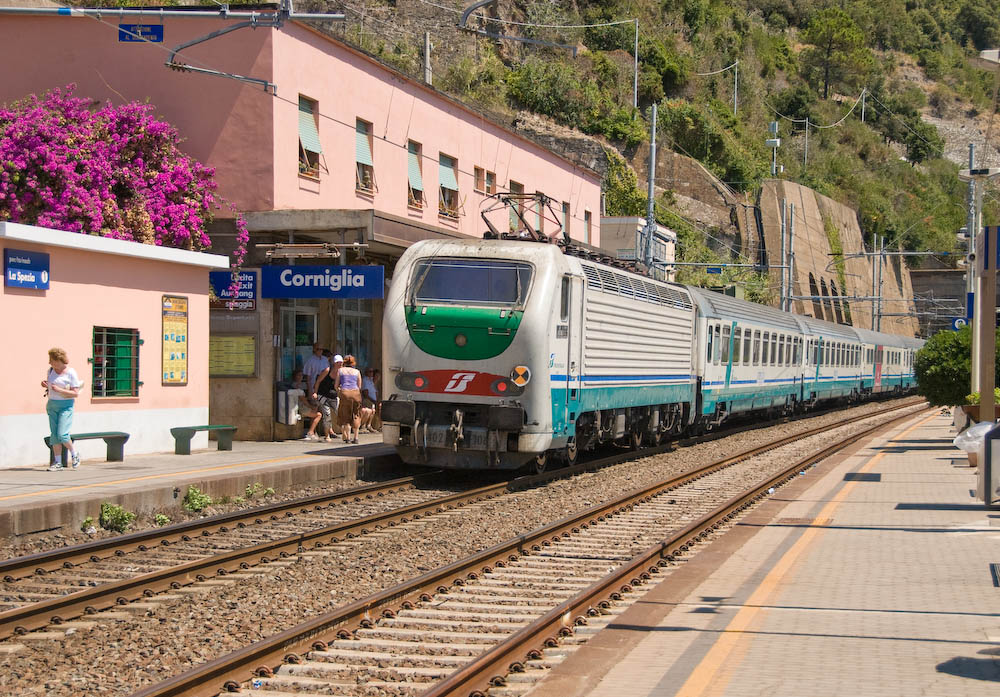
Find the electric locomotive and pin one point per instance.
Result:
(487, 365)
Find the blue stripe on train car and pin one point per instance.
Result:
(619, 397)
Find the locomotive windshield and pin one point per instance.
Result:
(478, 281)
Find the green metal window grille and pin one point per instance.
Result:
(115, 362)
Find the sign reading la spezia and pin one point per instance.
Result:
(23, 269)
(322, 282)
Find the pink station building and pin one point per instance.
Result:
(320, 145)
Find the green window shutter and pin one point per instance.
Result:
(308, 134)
(413, 168)
(446, 173)
(362, 148)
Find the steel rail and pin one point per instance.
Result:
(228, 671)
(488, 669)
(66, 557)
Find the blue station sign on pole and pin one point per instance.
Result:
(23, 269)
(322, 282)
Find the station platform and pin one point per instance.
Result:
(874, 574)
(32, 499)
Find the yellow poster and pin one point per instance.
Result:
(175, 340)
(232, 356)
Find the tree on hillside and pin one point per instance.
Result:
(837, 53)
(113, 171)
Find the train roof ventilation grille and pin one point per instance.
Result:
(609, 281)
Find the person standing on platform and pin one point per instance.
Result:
(326, 393)
(314, 366)
(348, 383)
(62, 386)
(369, 401)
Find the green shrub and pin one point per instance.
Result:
(942, 367)
(161, 520)
(88, 524)
(974, 397)
(195, 500)
(115, 518)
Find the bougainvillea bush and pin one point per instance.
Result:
(113, 171)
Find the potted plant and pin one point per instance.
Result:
(971, 406)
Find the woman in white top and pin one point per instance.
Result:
(62, 386)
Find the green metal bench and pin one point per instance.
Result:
(183, 435)
(115, 441)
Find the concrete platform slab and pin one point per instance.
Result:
(869, 576)
(32, 499)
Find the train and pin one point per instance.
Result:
(508, 354)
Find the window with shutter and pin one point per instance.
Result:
(309, 146)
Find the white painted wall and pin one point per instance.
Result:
(21, 435)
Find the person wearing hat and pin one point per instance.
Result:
(326, 393)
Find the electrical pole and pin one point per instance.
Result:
(428, 75)
(650, 215)
(736, 86)
(635, 72)
(790, 260)
(784, 231)
(874, 279)
(805, 153)
(881, 282)
(864, 91)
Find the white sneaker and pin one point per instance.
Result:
(56, 466)
(75, 461)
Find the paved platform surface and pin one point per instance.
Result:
(33, 499)
(869, 576)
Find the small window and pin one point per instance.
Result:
(565, 218)
(479, 177)
(491, 182)
(765, 355)
(746, 347)
(115, 362)
(448, 186)
(414, 172)
(756, 347)
(737, 345)
(725, 345)
(564, 299)
(587, 224)
(309, 147)
(781, 350)
(717, 352)
(774, 349)
(708, 346)
(365, 175)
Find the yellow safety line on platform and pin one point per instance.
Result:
(154, 476)
(709, 672)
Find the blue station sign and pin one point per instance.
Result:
(146, 33)
(23, 269)
(322, 282)
(246, 296)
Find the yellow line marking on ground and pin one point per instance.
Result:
(709, 672)
(155, 476)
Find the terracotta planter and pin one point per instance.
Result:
(972, 411)
(973, 460)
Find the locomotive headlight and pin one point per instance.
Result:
(461, 340)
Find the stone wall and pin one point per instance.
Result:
(815, 272)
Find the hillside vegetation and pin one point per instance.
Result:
(797, 60)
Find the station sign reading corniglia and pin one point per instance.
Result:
(322, 282)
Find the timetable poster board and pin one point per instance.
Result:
(175, 340)
(232, 356)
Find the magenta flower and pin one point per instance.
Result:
(114, 171)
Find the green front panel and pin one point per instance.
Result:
(462, 333)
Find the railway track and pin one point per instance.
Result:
(460, 629)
